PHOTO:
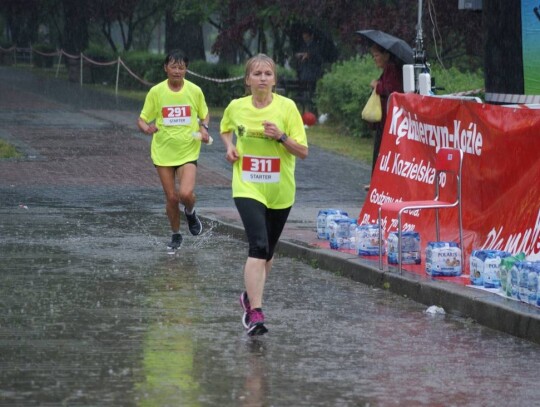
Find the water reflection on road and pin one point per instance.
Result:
(96, 313)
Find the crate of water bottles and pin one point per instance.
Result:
(484, 267)
(324, 217)
(443, 259)
(410, 248)
(522, 282)
(367, 240)
(342, 233)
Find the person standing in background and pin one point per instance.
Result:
(391, 80)
(270, 135)
(173, 111)
(309, 63)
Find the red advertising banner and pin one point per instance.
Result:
(501, 171)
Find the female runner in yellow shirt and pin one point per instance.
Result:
(270, 135)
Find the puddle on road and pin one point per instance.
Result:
(95, 312)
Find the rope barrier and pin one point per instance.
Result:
(215, 79)
(46, 54)
(99, 63)
(70, 56)
(119, 62)
(133, 74)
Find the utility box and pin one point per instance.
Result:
(470, 5)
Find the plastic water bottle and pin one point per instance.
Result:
(198, 136)
(512, 286)
(321, 223)
(507, 263)
(332, 215)
(532, 283)
(523, 281)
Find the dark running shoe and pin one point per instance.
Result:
(194, 223)
(256, 323)
(246, 306)
(176, 242)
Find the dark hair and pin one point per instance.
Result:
(176, 55)
(393, 59)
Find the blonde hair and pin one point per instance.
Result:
(259, 59)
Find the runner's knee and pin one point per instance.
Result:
(172, 199)
(186, 197)
(258, 249)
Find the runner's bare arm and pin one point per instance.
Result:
(231, 154)
(146, 128)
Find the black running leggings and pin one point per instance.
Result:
(263, 226)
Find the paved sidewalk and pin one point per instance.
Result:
(82, 149)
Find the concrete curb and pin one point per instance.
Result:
(506, 315)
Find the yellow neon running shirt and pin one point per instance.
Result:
(265, 170)
(176, 115)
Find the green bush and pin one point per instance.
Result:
(454, 80)
(343, 92)
(100, 74)
(6, 57)
(145, 65)
(207, 76)
(204, 74)
(43, 61)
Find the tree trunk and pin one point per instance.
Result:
(75, 26)
(185, 35)
(503, 61)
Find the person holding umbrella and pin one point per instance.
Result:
(389, 54)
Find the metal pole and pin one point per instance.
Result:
(81, 56)
(420, 64)
(59, 62)
(419, 25)
(117, 77)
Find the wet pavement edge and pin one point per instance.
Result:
(512, 317)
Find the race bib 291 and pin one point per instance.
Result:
(176, 115)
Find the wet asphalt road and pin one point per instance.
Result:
(94, 312)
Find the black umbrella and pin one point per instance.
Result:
(394, 45)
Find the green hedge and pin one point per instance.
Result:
(42, 61)
(150, 68)
(343, 92)
(6, 58)
(217, 93)
(101, 74)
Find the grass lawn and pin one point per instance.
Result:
(330, 138)
(8, 151)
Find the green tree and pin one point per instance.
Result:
(76, 37)
(22, 21)
(183, 26)
(125, 15)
